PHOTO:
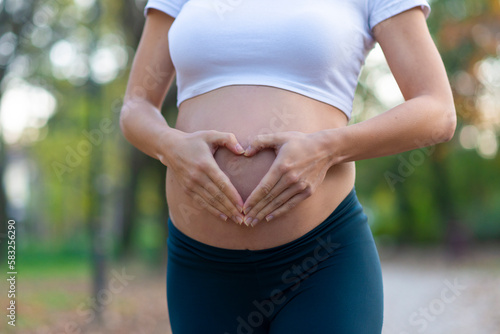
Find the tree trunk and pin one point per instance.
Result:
(95, 113)
(456, 237)
(95, 200)
(129, 201)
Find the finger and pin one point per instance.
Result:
(264, 188)
(205, 201)
(272, 140)
(200, 181)
(212, 201)
(202, 203)
(279, 188)
(223, 184)
(288, 206)
(276, 203)
(228, 140)
(219, 200)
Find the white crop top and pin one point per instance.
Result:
(315, 48)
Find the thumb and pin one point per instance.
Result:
(227, 140)
(260, 142)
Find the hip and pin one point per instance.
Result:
(334, 267)
(344, 226)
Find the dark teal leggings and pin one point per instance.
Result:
(327, 281)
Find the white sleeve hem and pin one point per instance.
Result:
(163, 6)
(398, 8)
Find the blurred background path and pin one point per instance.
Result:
(426, 293)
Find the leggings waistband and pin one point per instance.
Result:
(177, 240)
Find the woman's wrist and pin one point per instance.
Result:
(330, 142)
(165, 144)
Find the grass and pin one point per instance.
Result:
(47, 284)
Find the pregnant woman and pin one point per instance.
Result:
(266, 234)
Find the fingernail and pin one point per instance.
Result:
(247, 210)
(248, 221)
(240, 209)
(269, 217)
(254, 222)
(239, 148)
(239, 219)
(223, 217)
(248, 149)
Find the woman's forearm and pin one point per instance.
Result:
(145, 127)
(419, 122)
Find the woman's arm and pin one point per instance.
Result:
(150, 78)
(189, 155)
(426, 118)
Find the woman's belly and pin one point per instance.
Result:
(248, 111)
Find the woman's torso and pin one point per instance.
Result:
(247, 111)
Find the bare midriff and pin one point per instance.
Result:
(247, 111)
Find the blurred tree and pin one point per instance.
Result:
(465, 32)
(138, 162)
(435, 201)
(95, 220)
(11, 24)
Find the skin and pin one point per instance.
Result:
(253, 167)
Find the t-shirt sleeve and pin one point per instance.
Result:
(170, 7)
(383, 9)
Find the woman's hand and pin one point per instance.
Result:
(300, 167)
(191, 157)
